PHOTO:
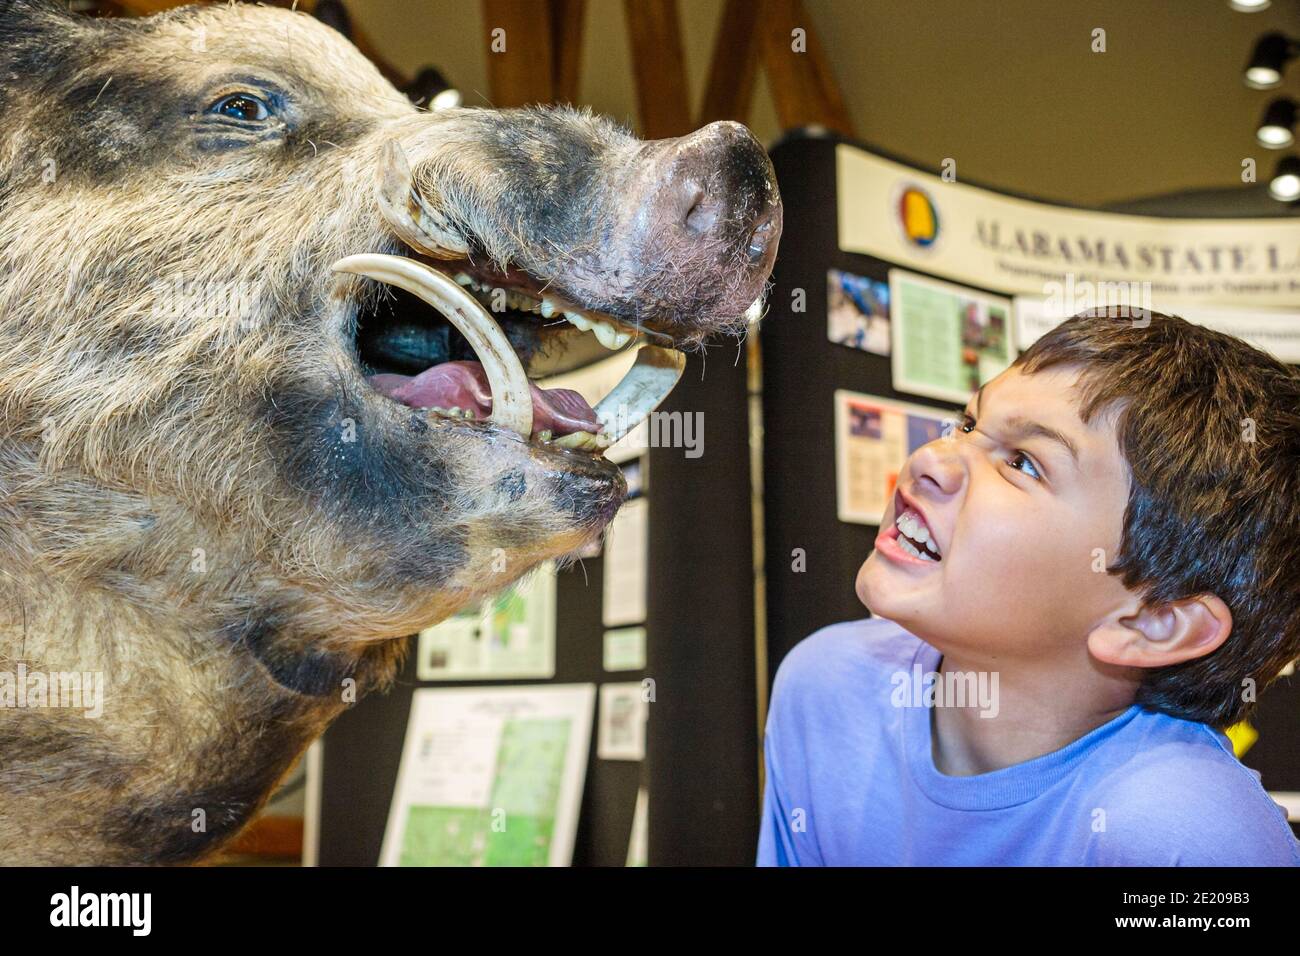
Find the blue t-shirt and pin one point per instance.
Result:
(851, 781)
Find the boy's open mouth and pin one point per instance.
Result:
(914, 536)
(912, 533)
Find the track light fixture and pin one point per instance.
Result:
(1285, 185)
(1277, 128)
(1269, 58)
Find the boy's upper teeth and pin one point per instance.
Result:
(913, 525)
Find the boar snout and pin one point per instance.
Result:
(715, 190)
(697, 223)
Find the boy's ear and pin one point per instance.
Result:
(1160, 636)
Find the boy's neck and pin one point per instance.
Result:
(1030, 721)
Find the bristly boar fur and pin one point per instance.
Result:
(213, 510)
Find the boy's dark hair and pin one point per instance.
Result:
(1210, 429)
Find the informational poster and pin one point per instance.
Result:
(948, 340)
(624, 596)
(510, 635)
(873, 438)
(620, 733)
(637, 845)
(625, 649)
(857, 312)
(490, 776)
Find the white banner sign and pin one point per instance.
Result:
(961, 232)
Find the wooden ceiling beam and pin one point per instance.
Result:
(566, 31)
(522, 72)
(659, 67)
(734, 66)
(802, 84)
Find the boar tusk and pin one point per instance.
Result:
(512, 400)
(406, 212)
(644, 387)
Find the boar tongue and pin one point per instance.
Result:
(464, 384)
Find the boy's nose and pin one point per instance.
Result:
(937, 462)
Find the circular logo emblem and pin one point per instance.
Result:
(918, 217)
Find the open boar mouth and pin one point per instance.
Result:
(462, 363)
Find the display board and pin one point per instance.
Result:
(363, 748)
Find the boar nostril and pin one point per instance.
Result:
(689, 207)
(701, 218)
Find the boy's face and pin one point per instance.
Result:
(1016, 519)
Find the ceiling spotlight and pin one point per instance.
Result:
(1277, 128)
(1249, 6)
(448, 99)
(431, 87)
(1267, 61)
(1285, 185)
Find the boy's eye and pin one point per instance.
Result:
(968, 425)
(1021, 456)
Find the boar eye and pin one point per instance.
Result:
(242, 106)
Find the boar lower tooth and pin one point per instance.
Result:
(573, 440)
(583, 441)
(646, 384)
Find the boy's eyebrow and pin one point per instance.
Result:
(1022, 427)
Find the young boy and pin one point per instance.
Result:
(1101, 564)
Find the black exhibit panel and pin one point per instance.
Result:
(812, 558)
(702, 744)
